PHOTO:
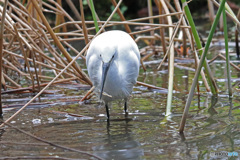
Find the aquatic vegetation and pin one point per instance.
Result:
(46, 89)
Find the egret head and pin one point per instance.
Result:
(106, 63)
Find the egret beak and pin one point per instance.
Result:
(105, 68)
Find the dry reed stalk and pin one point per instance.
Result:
(169, 6)
(128, 29)
(87, 94)
(213, 59)
(150, 13)
(20, 39)
(224, 58)
(1, 51)
(238, 14)
(13, 39)
(55, 10)
(9, 45)
(161, 30)
(58, 16)
(145, 24)
(60, 46)
(211, 10)
(157, 16)
(53, 52)
(156, 37)
(24, 2)
(69, 40)
(171, 42)
(74, 9)
(67, 34)
(15, 68)
(83, 24)
(35, 69)
(144, 30)
(12, 81)
(63, 11)
(202, 61)
(197, 63)
(114, 23)
(149, 85)
(182, 34)
(171, 62)
(202, 73)
(31, 11)
(47, 142)
(64, 29)
(50, 83)
(234, 18)
(143, 66)
(184, 31)
(35, 45)
(185, 51)
(21, 19)
(37, 36)
(42, 85)
(125, 22)
(147, 56)
(144, 38)
(3, 83)
(191, 40)
(167, 39)
(72, 48)
(48, 59)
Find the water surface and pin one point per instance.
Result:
(212, 124)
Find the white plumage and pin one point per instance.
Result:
(113, 62)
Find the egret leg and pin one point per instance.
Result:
(125, 109)
(107, 111)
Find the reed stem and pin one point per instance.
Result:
(191, 93)
(63, 70)
(83, 24)
(128, 29)
(171, 63)
(94, 15)
(212, 83)
(1, 52)
(227, 53)
(58, 43)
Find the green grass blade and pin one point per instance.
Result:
(211, 81)
(94, 15)
(227, 54)
(190, 96)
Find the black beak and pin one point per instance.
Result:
(105, 68)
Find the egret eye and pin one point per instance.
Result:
(100, 55)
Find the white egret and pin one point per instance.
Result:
(113, 61)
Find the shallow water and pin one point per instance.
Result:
(212, 125)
